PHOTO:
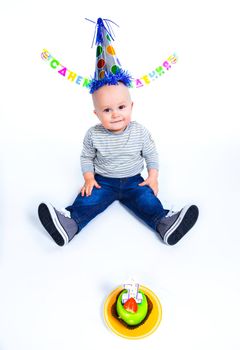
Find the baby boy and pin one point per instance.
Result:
(112, 160)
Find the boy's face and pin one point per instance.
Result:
(113, 106)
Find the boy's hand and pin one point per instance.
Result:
(151, 181)
(90, 182)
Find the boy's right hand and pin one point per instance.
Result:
(90, 182)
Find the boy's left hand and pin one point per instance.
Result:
(152, 182)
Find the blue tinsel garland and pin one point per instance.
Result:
(111, 79)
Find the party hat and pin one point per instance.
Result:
(108, 70)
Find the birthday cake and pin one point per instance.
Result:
(132, 311)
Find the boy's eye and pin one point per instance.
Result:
(107, 110)
(122, 107)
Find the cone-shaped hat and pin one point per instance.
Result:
(108, 70)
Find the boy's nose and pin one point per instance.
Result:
(114, 114)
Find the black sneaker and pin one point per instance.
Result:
(175, 225)
(58, 224)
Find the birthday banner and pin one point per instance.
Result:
(85, 81)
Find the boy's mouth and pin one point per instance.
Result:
(116, 121)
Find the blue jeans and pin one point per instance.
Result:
(139, 199)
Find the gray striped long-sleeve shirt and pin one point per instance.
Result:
(118, 155)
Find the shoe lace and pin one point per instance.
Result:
(171, 212)
(65, 213)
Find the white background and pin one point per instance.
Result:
(52, 297)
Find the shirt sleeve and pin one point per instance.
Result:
(88, 153)
(149, 151)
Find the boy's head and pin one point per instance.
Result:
(113, 106)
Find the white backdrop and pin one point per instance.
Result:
(52, 297)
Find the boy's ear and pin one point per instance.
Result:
(94, 112)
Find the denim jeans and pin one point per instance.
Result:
(139, 199)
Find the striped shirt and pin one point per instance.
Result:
(118, 155)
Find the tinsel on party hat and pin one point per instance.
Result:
(108, 70)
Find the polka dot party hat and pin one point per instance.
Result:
(108, 70)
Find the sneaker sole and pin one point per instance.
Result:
(184, 223)
(51, 223)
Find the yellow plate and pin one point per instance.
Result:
(145, 329)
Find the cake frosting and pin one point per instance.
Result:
(130, 311)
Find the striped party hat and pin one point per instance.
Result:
(108, 70)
